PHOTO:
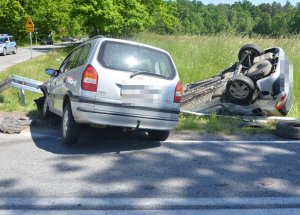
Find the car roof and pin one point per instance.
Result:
(102, 38)
(5, 35)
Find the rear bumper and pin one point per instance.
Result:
(87, 115)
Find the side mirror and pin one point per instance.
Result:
(51, 72)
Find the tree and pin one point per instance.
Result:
(134, 16)
(295, 21)
(99, 16)
(263, 25)
(165, 19)
(13, 15)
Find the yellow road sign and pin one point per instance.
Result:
(29, 26)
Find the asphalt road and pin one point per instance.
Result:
(24, 54)
(113, 171)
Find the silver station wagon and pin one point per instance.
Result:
(108, 82)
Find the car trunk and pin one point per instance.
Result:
(141, 95)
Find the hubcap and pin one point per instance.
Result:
(239, 90)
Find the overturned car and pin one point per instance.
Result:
(259, 84)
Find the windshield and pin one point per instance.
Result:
(2, 40)
(136, 59)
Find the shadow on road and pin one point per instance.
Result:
(92, 141)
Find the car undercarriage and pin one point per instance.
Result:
(259, 84)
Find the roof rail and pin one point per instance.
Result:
(96, 37)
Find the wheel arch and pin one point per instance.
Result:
(43, 88)
(67, 98)
(66, 101)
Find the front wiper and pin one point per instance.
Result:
(142, 72)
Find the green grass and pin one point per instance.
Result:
(219, 124)
(34, 69)
(199, 57)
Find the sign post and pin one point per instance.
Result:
(29, 27)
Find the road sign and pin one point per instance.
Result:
(29, 26)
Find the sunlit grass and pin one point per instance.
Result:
(34, 69)
(220, 124)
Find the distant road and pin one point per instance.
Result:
(23, 54)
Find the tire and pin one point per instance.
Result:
(260, 70)
(158, 135)
(45, 111)
(4, 52)
(70, 129)
(240, 88)
(288, 129)
(254, 52)
(15, 50)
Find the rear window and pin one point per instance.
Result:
(134, 58)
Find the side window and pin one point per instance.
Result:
(63, 65)
(72, 60)
(83, 55)
(12, 39)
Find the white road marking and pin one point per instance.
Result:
(234, 141)
(149, 203)
(29, 134)
(284, 211)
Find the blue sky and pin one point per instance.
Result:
(256, 2)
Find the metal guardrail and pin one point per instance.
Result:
(21, 83)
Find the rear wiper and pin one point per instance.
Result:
(142, 72)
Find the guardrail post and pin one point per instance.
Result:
(22, 97)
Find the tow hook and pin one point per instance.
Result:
(137, 124)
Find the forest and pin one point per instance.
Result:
(125, 18)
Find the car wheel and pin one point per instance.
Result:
(288, 129)
(15, 50)
(157, 135)
(70, 129)
(45, 111)
(254, 52)
(4, 52)
(240, 88)
(260, 70)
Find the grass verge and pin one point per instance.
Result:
(220, 124)
(34, 69)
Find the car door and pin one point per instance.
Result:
(8, 48)
(10, 44)
(58, 89)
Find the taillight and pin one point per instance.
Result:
(178, 92)
(280, 102)
(89, 80)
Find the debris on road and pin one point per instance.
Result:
(10, 126)
(288, 129)
(11, 123)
